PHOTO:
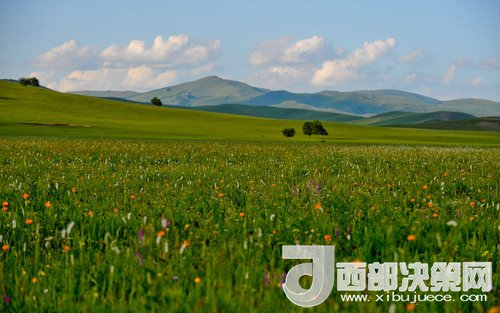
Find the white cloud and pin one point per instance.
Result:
(136, 66)
(269, 51)
(303, 49)
(68, 56)
(476, 81)
(410, 78)
(140, 78)
(175, 51)
(413, 56)
(450, 75)
(283, 51)
(337, 71)
(279, 77)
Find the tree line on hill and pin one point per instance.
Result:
(309, 128)
(29, 81)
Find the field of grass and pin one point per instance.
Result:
(36, 112)
(126, 207)
(99, 225)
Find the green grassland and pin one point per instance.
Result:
(232, 206)
(87, 185)
(37, 112)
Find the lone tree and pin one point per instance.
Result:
(29, 81)
(288, 132)
(308, 129)
(314, 128)
(156, 101)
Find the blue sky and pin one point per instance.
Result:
(443, 49)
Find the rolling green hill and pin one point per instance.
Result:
(475, 107)
(408, 118)
(37, 112)
(215, 91)
(491, 124)
(210, 90)
(278, 113)
(357, 102)
(108, 94)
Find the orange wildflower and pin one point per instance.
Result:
(185, 243)
(161, 233)
(26, 195)
(5, 248)
(132, 197)
(66, 248)
(430, 204)
(412, 199)
(197, 280)
(242, 214)
(5, 204)
(34, 280)
(328, 238)
(73, 190)
(5, 208)
(186, 226)
(411, 237)
(435, 215)
(494, 309)
(29, 221)
(410, 307)
(90, 213)
(317, 206)
(48, 205)
(472, 204)
(425, 187)
(221, 195)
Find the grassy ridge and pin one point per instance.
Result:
(23, 109)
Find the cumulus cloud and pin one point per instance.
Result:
(450, 75)
(284, 51)
(137, 66)
(174, 51)
(280, 76)
(333, 72)
(135, 78)
(69, 55)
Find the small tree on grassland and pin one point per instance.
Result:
(29, 81)
(156, 101)
(319, 129)
(314, 128)
(288, 132)
(307, 129)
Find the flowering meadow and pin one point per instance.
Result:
(99, 226)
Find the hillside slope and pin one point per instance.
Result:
(408, 118)
(214, 90)
(37, 112)
(278, 113)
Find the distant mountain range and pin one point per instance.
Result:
(212, 90)
(389, 108)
